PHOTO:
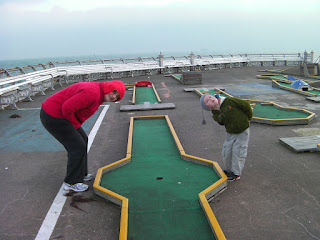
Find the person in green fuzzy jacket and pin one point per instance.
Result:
(235, 114)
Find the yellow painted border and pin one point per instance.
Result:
(122, 201)
(314, 76)
(156, 93)
(204, 196)
(154, 90)
(175, 77)
(277, 80)
(134, 95)
(308, 81)
(216, 89)
(276, 83)
(273, 77)
(307, 120)
(270, 76)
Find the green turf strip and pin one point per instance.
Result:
(272, 112)
(145, 94)
(315, 92)
(213, 92)
(161, 209)
(289, 85)
(178, 75)
(280, 77)
(284, 84)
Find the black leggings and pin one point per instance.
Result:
(75, 141)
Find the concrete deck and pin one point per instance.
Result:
(277, 197)
(147, 106)
(302, 144)
(315, 99)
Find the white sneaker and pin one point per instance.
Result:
(88, 178)
(78, 187)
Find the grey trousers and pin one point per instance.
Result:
(234, 151)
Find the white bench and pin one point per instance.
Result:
(22, 87)
(86, 72)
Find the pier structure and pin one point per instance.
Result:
(21, 83)
(276, 198)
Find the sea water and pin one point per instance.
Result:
(34, 61)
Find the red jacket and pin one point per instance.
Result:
(80, 101)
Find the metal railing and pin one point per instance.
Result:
(173, 61)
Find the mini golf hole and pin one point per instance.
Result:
(159, 178)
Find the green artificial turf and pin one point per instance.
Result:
(145, 94)
(161, 187)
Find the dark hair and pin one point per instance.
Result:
(116, 92)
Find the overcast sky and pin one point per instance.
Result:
(51, 28)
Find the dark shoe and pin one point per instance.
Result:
(233, 177)
(227, 173)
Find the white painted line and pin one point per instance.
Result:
(96, 126)
(53, 214)
(28, 109)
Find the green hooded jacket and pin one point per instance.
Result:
(235, 114)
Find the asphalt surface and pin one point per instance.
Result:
(277, 197)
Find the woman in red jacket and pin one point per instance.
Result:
(63, 113)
